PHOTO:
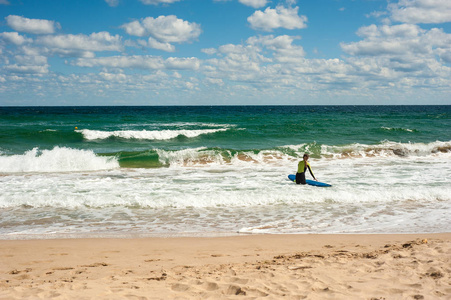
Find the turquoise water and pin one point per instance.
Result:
(78, 171)
(134, 134)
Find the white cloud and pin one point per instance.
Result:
(188, 63)
(446, 56)
(35, 26)
(133, 62)
(27, 64)
(37, 60)
(404, 55)
(401, 56)
(209, 51)
(156, 2)
(4, 2)
(398, 40)
(280, 17)
(113, 77)
(31, 51)
(421, 11)
(135, 28)
(112, 3)
(259, 60)
(80, 44)
(217, 81)
(237, 60)
(27, 69)
(440, 43)
(376, 14)
(153, 43)
(284, 50)
(254, 3)
(404, 58)
(145, 62)
(190, 85)
(15, 38)
(165, 29)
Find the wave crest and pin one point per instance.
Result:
(386, 149)
(203, 156)
(398, 129)
(59, 159)
(145, 134)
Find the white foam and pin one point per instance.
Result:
(232, 186)
(384, 149)
(59, 159)
(397, 129)
(145, 134)
(369, 194)
(189, 124)
(190, 157)
(204, 157)
(364, 198)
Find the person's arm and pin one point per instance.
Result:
(311, 173)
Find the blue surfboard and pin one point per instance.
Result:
(310, 182)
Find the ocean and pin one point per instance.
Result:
(76, 172)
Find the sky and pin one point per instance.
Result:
(225, 52)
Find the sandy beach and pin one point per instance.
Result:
(414, 266)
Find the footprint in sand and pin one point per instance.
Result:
(179, 287)
(235, 290)
(256, 292)
(210, 286)
(237, 280)
(24, 276)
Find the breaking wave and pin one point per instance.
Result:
(204, 156)
(145, 134)
(59, 159)
(385, 149)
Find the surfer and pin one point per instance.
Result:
(302, 167)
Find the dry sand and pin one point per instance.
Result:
(414, 266)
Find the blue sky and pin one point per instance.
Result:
(225, 52)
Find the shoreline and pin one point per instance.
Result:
(316, 266)
(190, 235)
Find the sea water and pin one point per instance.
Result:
(208, 171)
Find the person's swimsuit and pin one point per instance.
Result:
(300, 175)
